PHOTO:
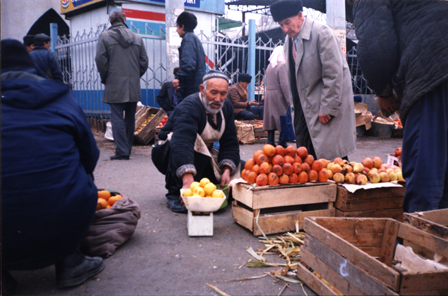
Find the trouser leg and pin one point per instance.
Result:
(130, 123)
(425, 152)
(258, 110)
(271, 137)
(119, 129)
(244, 115)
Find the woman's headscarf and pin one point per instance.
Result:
(277, 56)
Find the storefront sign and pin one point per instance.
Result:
(187, 3)
(70, 5)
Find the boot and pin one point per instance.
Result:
(271, 137)
(76, 268)
(281, 142)
(173, 203)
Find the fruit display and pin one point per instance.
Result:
(278, 165)
(144, 123)
(397, 122)
(106, 199)
(203, 188)
(163, 122)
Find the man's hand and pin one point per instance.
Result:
(390, 104)
(187, 179)
(324, 118)
(225, 178)
(253, 103)
(176, 83)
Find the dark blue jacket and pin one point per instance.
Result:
(403, 45)
(48, 152)
(191, 64)
(46, 64)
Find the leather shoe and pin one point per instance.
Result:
(75, 269)
(176, 206)
(119, 157)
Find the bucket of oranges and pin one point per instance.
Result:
(203, 196)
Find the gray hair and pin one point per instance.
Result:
(117, 16)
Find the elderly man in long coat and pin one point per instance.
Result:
(321, 89)
(121, 60)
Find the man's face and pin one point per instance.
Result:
(180, 30)
(47, 45)
(214, 95)
(292, 25)
(29, 48)
(244, 84)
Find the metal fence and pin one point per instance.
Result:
(229, 54)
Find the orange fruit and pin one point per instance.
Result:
(113, 199)
(272, 179)
(288, 168)
(255, 168)
(265, 168)
(297, 167)
(309, 159)
(280, 150)
(323, 176)
(108, 207)
(102, 204)
(317, 166)
(251, 177)
(306, 167)
(277, 169)
(303, 177)
(302, 152)
(290, 150)
(269, 150)
(278, 159)
(104, 194)
(243, 174)
(261, 158)
(262, 180)
(297, 159)
(249, 164)
(258, 152)
(313, 176)
(289, 159)
(293, 178)
(284, 179)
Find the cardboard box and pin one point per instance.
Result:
(275, 209)
(146, 135)
(384, 202)
(355, 255)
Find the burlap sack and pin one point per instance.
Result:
(245, 133)
(111, 228)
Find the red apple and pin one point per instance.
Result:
(398, 151)
(377, 162)
(367, 162)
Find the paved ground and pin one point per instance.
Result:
(160, 258)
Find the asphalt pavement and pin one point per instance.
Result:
(160, 258)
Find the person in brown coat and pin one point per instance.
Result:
(243, 109)
(276, 95)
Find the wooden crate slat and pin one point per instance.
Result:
(433, 222)
(396, 214)
(377, 269)
(286, 222)
(388, 244)
(426, 283)
(313, 282)
(342, 284)
(357, 204)
(242, 216)
(426, 240)
(345, 268)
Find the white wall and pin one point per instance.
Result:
(17, 16)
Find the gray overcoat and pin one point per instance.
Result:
(276, 96)
(121, 60)
(324, 86)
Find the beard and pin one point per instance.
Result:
(208, 106)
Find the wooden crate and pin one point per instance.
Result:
(433, 222)
(355, 256)
(377, 202)
(277, 208)
(147, 134)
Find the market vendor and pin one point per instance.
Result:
(199, 121)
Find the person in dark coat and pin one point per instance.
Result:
(45, 61)
(199, 121)
(402, 51)
(48, 196)
(191, 55)
(121, 60)
(243, 109)
(169, 96)
(28, 41)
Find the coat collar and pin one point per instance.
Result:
(305, 32)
